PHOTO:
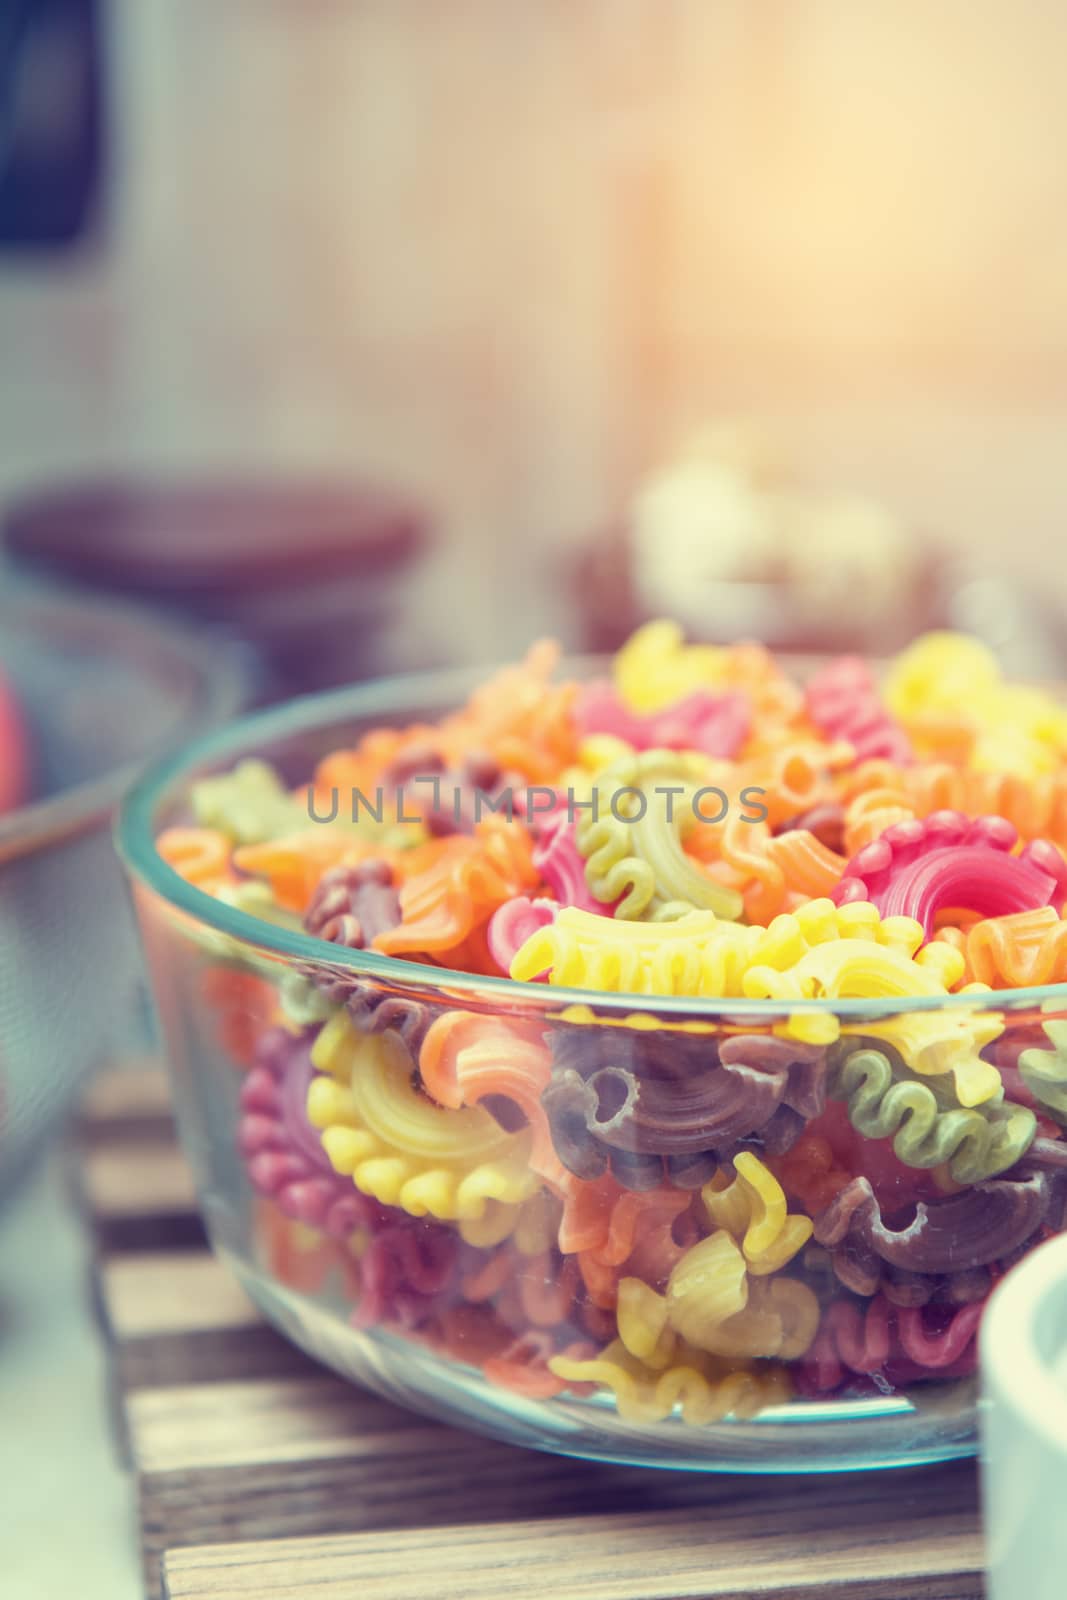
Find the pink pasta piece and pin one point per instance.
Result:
(559, 861)
(951, 861)
(843, 702)
(283, 1153)
(513, 923)
(717, 724)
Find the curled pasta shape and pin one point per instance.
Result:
(951, 861)
(818, 949)
(512, 924)
(1016, 952)
(703, 1389)
(715, 724)
(636, 1123)
(752, 1208)
(774, 872)
(884, 1102)
(200, 855)
(453, 886)
(697, 954)
(933, 1044)
(633, 844)
(843, 702)
(655, 667)
(399, 1146)
(466, 1058)
(980, 1225)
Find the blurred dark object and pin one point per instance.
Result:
(51, 120)
(312, 577)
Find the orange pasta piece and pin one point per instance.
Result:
(364, 767)
(604, 1224)
(1018, 952)
(525, 722)
(466, 1057)
(877, 792)
(294, 865)
(809, 1173)
(200, 855)
(455, 886)
(774, 873)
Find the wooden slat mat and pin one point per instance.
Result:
(261, 1474)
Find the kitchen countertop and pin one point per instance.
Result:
(67, 1521)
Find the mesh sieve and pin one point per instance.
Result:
(99, 688)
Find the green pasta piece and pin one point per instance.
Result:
(249, 804)
(633, 853)
(885, 1101)
(1044, 1072)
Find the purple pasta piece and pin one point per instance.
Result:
(372, 1007)
(352, 905)
(613, 1117)
(974, 1228)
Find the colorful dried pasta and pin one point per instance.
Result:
(787, 1126)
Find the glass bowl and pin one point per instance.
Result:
(98, 689)
(473, 1260)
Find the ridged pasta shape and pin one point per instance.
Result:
(400, 1147)
(703, 1389)
(885, 1102)
(466, 1057)
(633, 845)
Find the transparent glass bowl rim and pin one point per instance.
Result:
(211, 674)
(391, 698)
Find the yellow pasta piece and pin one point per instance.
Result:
(707, 1287)
(399, 1146)
(655, 667)
(703, 1389)
(753, 1209)
(533, 1226)
(937, 1042)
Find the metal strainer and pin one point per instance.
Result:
(99, 688)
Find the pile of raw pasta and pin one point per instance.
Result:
(709, 1209)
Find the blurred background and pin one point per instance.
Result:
(502, 262)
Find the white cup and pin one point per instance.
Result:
(1023, 1347)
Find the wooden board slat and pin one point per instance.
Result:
(261, 1474)
(140, 1196)
(671, 1555)
(130, 1101)
(178, 1317)
(317, 1456)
